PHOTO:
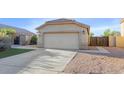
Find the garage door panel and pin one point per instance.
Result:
(61, 41)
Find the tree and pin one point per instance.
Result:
(6, 37)
(91, 34)
(33, 40)
(109, 32)
(116, 33)
(8, 31)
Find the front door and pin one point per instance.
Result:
(17, 40)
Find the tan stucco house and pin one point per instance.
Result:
(122, 27)
(63, 34)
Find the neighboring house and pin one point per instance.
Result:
(118, 41)
(122, 27)
(22, 37)
(63, 34)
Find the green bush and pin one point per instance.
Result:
(33, 40)
(5, 43)
(6, 35)
(8, 31)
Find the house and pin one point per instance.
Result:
(63, 34)
(122, 27)
(22, 36)
(120, 39)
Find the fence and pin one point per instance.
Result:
(99, 41)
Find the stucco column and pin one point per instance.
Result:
(22, 40)
(112, 41)
(83, 40)
(40, 40)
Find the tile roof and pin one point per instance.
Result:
(18, 30)
(63, 20)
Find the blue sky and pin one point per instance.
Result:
(98, 25)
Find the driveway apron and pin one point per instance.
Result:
(39, 61)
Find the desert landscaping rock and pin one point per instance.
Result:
(94, 63)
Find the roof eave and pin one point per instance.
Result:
(82, 25)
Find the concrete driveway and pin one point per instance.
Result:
(39, 61)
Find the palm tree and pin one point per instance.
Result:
(8, 32)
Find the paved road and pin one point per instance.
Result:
(44, 61)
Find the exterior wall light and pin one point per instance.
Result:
(83, 32)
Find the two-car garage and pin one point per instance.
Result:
(61, 40)
(63, 34)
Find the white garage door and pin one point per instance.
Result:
(61, 40)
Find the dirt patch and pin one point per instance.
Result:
(97, 63)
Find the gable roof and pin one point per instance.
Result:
(60, 20)
(64, 21)
(18, 30)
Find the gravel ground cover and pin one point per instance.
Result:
(98, 63)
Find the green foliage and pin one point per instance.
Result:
(109, 32)
(116, 33)
(6, 35)
(91, 34)
(7, 31)
(33, 40)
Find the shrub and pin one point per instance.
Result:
(33, 40)
(6, 35)
(5, 43)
